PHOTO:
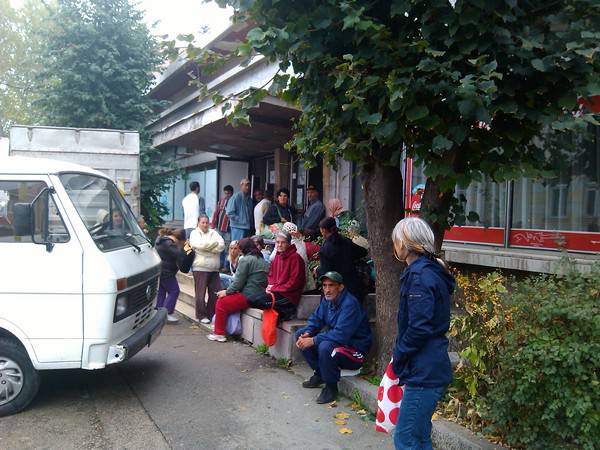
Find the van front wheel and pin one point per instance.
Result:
(19, 381)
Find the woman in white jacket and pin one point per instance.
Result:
(208, 245)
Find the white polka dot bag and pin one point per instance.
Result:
(389, 398)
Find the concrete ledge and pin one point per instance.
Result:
(539, 260)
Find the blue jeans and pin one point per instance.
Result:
(239, 233)
(413, 429)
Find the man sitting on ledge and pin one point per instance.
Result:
(345, 343)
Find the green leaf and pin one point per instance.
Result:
(568, 101)
(417, 112)
(255, 35)
(383, 131)
(441, 143)
(370, 119)
(538, 64)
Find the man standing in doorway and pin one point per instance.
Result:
(314, 213)
(191, 208)
(239, 210)
(260, 209)
(220, 221)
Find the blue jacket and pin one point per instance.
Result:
(346, 320)
(421, 349)
(240, 212)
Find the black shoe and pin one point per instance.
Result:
(328, 394)
(313, 382)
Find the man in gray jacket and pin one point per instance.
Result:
(314, 213)
(240, 212)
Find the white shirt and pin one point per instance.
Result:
(191, 210)
(259, 212)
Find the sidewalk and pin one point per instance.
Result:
(446, 435)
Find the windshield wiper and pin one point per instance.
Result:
(124, 237)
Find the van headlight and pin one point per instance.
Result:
(121, 306)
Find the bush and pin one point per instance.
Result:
(478, 331)
(547, 390)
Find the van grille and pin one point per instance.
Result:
(142, 316)
(139, 298)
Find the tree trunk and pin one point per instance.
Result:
(437, 204)
(384, 207)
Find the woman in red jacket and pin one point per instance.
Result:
(285, 281)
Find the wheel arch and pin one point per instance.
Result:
(10, 331)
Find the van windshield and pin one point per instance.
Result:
(103, 210)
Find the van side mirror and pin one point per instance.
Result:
(23, 219)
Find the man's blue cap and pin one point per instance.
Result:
(333, 276)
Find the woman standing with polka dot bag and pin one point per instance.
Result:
(420, 361)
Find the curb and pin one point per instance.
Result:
(445, 435)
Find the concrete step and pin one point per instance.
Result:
(185, 279)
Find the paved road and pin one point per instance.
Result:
(185, 392)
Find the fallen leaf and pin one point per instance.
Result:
(345, 431)
(193, 327)
(333, 404)
(362, 412)
(435, 416)
(341, 415)
(340, 422)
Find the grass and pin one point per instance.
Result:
(284, 363)
(375, 380)
(262, 349)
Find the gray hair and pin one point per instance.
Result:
(202, 216)
(416, 236)
(285, 235)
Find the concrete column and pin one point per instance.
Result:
(282, 169)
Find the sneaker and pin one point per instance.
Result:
(328, 394)
(216, 337)
(313, 382)
(171, 318)
(205, 320)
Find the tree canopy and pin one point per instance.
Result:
(464, 87)
(18, 44)
(97, 65)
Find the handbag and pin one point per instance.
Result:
(185, 258)
(234, 323)
(269, 324)
(389, 399)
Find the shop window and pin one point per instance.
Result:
(486, 198)
(567, 201)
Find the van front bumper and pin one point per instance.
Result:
(143, 337)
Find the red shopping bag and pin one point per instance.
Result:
(389, 398)
(269, 324)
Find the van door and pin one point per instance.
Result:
(41, 283)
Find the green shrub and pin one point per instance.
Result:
(478, 331)
(547, 390)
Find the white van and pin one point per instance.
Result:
(78, 278)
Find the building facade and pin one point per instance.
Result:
(525, 225)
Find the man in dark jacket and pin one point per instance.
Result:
(314, 213)
(345, 343)
(340, 254)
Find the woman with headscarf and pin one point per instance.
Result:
(341, 215)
